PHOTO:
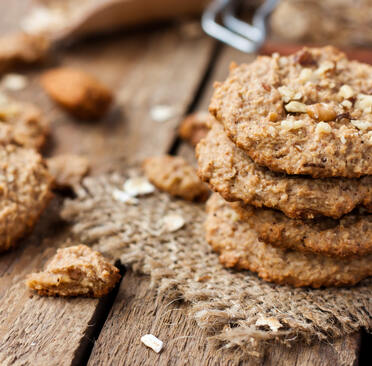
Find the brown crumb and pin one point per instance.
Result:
(75, 271)
(194, 127)
(78, 92)
(19, 49)
(174, 175)
(22, 123)
(67, 169)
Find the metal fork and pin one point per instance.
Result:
(233, 31)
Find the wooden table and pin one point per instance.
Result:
(164, 65)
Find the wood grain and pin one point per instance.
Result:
(145, 70)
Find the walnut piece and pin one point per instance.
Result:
(75, 271)
(174, 175)
(321, 112)
(296, 107)
(78, 92)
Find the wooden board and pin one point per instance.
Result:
(146, 69)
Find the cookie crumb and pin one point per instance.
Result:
(75, 271)
(174, 175)
(194, 127)
(78, 92)
(68, 169)
(152, 342)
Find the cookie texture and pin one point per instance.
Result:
(174, 175)
(19, 49)
(351, 235)
(194, 127)
(78, 92)
(229, 171)
(67, 169)
(75, 271)
(308, 113)
(240, 248)
(22, 123)
(24, 192)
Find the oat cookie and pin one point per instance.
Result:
(308, 113)
(22, 123)
(78, 92)
(75, 271)
(229, 171)
(174, 175)
(194, 127)
(67, 169)
(240, 248)
(351, 235)
(24, 192)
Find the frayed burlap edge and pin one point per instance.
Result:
(226, 303)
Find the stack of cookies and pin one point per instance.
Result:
(289, 155)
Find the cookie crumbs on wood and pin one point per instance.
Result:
(194, 127)
(174, 175)
(75, 271)
(19, 49)
(78, 92)
(152, 342)
(67, 169)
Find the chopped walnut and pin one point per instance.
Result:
(174, 175)
(323, 127)
(296, 107)
(361, 125)
(346, 92)
(75, 271)
(194, 127)
(321, 112)
(292, 125)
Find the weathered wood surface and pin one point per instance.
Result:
(145, 69)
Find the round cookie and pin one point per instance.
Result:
(240, 248)
(229, 171)
(349, 236)
(24, 192)
(22, 123)
(308, 113)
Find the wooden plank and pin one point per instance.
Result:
(145, 70)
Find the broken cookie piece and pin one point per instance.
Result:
(21, 49)
(22, 123)
(174, 175)
(75, 271)
(67, 169)
(78, 92)
(194, 127)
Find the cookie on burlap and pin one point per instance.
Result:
(239, 247)
(24, 192)
(74, 271)
(351, 235)
(308, 113)
(173, 174)
(78, 92)
(22, 123)
(229, 171)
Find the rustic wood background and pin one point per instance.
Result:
(163, 64)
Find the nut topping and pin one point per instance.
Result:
(321, 112)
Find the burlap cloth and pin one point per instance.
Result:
(229, 305)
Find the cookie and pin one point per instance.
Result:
(229, 171)
(22, 123)
(78, 92)
(174, 175)
(308, 113)
(240, 248)
(351, 235)
(67, 169)
(75, 271)
(194, 127)
(18, 49)
(24, 192)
